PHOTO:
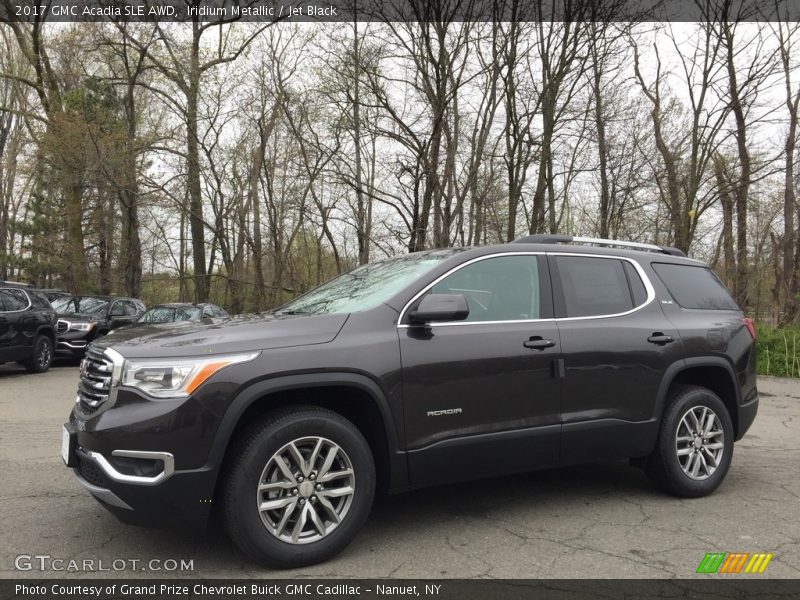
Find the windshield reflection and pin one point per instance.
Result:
(367, 286)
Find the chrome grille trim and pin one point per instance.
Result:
(62, 326)
(95, 387)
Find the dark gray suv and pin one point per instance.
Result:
(434, 367)
(27, 327)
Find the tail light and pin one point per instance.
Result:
(751, 327)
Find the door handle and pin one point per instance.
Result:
(537, 343)
(660, 339)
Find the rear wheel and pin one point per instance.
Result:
(695, 444)
(299, 487)
(42, 356)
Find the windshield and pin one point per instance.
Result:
(169, 314)
(367, 286)
(84, 304)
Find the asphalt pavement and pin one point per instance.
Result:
(602, 520)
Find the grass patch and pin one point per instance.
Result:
(777, 350)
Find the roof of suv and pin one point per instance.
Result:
(579, 245)
(15, 284)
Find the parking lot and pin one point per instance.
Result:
(593, 521)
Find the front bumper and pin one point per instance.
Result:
(71, 347)
(172, 499)
(147, 461)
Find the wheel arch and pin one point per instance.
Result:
(712, 372)
(48, 331)
(356, 397)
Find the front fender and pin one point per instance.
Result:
(257, 390)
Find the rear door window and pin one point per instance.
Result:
(695, 287)
(594, 286)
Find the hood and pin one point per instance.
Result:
(136, 329)
(246, 333)
(79, 317)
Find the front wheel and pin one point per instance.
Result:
(695, 444)
(299, 487)
(42, 356)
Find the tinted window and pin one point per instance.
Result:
(637, 287)
(130, 308)
(505, 288)
(695, 287)
(11, 299)
(594, 286)
(39, 300)
(170, 314)
(216, 311)
(80, 304)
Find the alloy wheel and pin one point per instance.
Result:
(305, 490)
(43, 356)
(699, 442)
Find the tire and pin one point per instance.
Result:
(42, 356)
(271, 536)
(680, 464)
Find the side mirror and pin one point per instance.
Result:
(440, 307)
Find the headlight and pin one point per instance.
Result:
(81, 326)
(176, 377)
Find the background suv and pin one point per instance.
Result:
(424, 369)
(82, 319)
(175, 312)
(27, 327)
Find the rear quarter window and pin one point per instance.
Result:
(695, 287)
(12, 300)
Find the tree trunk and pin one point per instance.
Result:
(130, 243)
(729, 257)
(196, 224)
(361, 209)
(602, 152)
(75, 274)
(789, 279)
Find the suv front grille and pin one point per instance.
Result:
(95, 383)
(62, 326)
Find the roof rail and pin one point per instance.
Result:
(547, 238)
(18, 283)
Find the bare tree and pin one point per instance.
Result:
(183, 64)
(787, 34)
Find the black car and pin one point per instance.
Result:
(82, 319)
(176, 312)
(434, 367)
(27, 327)
(53, 294)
